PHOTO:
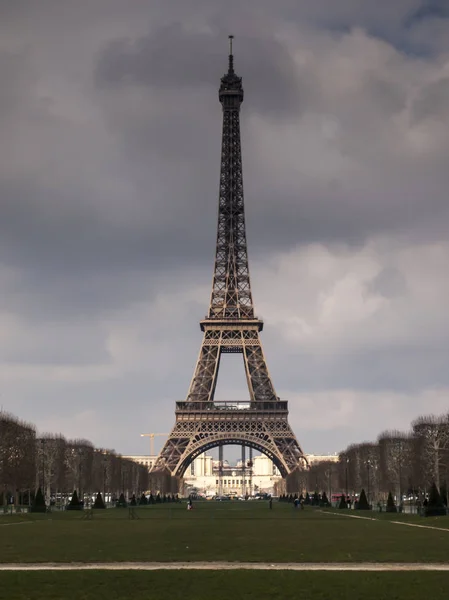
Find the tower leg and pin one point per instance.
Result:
(250, 471)
(243, 475)
(220, 470)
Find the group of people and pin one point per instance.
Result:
(297, 502)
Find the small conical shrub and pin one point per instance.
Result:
(143, 500)
(74, 503)
(151, 499)
(158, 498)
(362, 504)
(435, 506)
(343, 503)
(39, 502)
(99, 503)
(121, 502)
(307, 500)
(133, 500)
(324, 500)
(315, 499)
(391, 506)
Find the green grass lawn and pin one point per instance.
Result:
(213, 531)
(222, 585)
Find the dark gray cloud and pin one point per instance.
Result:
(109, 182)
(175, 59)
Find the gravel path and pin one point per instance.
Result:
(224, 566)
(342, 514)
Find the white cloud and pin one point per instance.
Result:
(330, 420)
(336, 299)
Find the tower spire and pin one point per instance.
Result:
(231, 56)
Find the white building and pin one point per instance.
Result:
(203, 474)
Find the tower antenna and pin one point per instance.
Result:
(231, 57)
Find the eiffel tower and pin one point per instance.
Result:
(231, 327)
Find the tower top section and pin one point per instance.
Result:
(231, 90)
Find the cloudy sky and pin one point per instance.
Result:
(109, 161)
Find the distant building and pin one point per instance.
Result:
(317, 458)
(203, 474)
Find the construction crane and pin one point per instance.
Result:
(152, 436)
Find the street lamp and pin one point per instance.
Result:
(104, 478)
(368, 464)
(400, 473)
(43, 466)
(346, 477)
(80, 471)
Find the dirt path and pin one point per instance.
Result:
(224, 566)
(342, 514)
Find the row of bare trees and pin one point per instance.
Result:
(398, 462)
(59, 466)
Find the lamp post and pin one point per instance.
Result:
(43, 466)
(104, 479)
(346, 477)
(80, 471)
(368, 464)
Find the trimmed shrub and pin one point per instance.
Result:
(435, 506)
(74, 503)
(391, 506)
(38, 503)
(343, 503)
(99, 503)
(307, 500)
(121, 502)
(362, 504)
(133, 500)
(143, 500)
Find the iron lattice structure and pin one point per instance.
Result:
(231, 327)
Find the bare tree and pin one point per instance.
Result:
(50, 463)
(78, 462)
(359, 468)
(17, 455)
(324, 477)
(395, 462)
(432, 436)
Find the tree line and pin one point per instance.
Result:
(59, 466)
(398, 462)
